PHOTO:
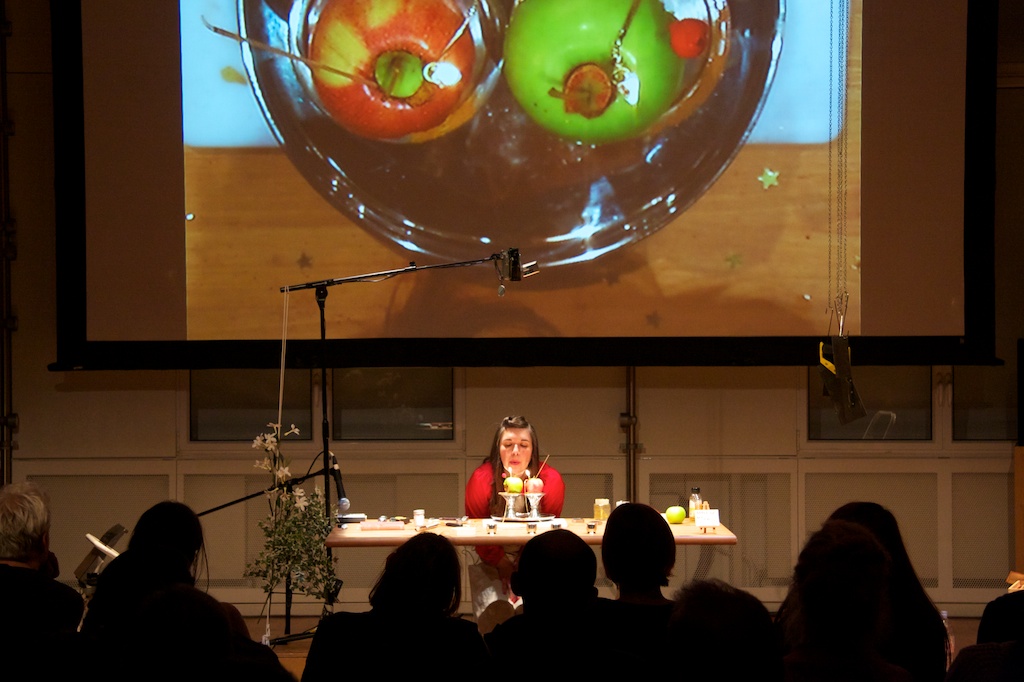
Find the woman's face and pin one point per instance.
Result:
(516, 449)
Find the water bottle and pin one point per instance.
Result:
(695, 501)
(952, 639)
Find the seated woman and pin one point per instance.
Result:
(182, 633)
(514, 451)
(914, 636)
(166, 549)
(836, 608)
(415, 598)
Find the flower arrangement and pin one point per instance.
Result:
(295, 531)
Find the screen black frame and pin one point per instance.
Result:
(76, 352)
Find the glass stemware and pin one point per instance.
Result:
(534, 501)
(510, 504)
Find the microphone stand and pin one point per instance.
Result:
(287, 580)
(508, 265)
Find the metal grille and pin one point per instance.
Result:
(911, 497)
(232, 535)
(751, 505)
(581, 490)
(92, 504)
(983, 535)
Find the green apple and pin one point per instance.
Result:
(593, 70)
(513, 484)
(675, 514)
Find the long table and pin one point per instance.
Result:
(473, 533)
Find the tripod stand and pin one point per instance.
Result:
(508, 266)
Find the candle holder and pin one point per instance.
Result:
(533, 499)
(510, 505)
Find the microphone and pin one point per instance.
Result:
(343, 502)
(510, 266)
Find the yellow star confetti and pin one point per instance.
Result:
(768, 178)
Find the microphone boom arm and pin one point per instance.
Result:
(412, 267)
(508, 265)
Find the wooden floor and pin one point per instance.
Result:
(293, 653)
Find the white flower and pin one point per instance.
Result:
(301, 501)
(284, 474)
(263, 464)
(294, 429)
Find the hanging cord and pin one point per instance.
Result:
(838, 162)
(284, 345)
(280, 413)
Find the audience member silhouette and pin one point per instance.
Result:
(638, 553)
(722, 632)
(1003, 619)
(166, 549)
(838, 598)
(914, 636)
(413, 606)
(555, 577)
(182, 633)
(38, 615)
(998, 655)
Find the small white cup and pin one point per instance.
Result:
(419, 518)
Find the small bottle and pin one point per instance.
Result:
(695, 501)
(952, 640)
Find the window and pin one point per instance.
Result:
(898, 402)
(236, 405)
(393, 403)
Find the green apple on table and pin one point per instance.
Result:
(675, 514)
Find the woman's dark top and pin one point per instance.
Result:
(391, 645)
(120, 590)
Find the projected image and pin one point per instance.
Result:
(670, 164)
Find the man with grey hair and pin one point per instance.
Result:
(35, 607)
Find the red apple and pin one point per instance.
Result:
(534, 485)
(395, 68)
